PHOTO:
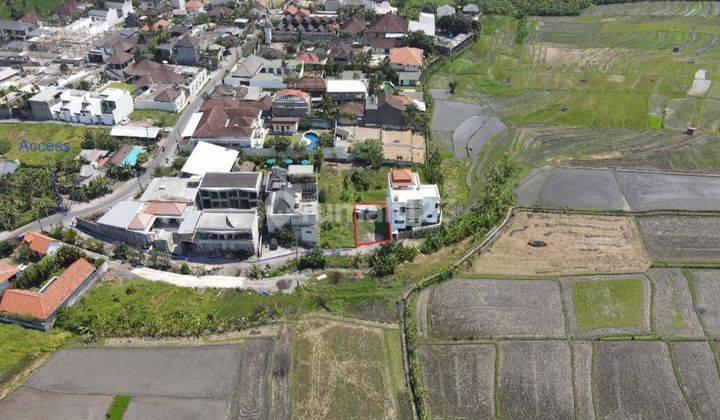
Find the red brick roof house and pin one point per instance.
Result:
(232, 123)
(309, 58)
(314, 85)
(41, 244)
(38, 309)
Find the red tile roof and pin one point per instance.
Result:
(401, 178)
(193, 4)
(292, 92)
(311, 83)
(309, 58)
(41, 305)
(140, 221)
(165, 209)
(37, 242)
(7, 271)
(406, 56)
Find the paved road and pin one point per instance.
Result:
(128, 189)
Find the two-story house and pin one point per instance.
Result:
(411, 204)
(407, 61)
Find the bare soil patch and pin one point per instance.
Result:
(698, 376)
(706, 290)
(635, 379)
(571, 244)
(582, 370)
(496, 308)
(252, 395)
(280, 379)
(673, 311)
(681, 237)
(340, 371)
(535, 380)
(459, 380)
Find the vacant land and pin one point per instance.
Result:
(15, 133)
(609, 304)
(141, 308)
(535, 243)
(21, 346)
(120, 85)
(461, 379)
(636, 379)
(43, 8)
(154, 117)
(681, 237)
(495, 308)
(339, 189)
(342, 370)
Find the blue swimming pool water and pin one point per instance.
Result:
(131, 158)
(313, 138)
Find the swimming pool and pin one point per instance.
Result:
(131, 158)
(311, 139)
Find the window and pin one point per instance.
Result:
(402, 210)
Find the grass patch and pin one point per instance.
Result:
(20, 346)
(588, 72)
(15, 133)
(142, 308)
(338, 191)
(155, 117)
(124, 86)
(607, 304)
(41, 7)
(118, 407)
(343, 370)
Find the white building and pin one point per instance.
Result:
(124, 8)
(219, 232)
(410, 203)
(425, 24)
(347, 90)
(106, 108)
(162, 97)
(108, 17)
(207, 157)
(292, 202)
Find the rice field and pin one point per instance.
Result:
(631, 70)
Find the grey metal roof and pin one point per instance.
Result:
(15, 26)
(284, 201)
(121, 214)
(249, 66)
(226, 220)
(243, 180)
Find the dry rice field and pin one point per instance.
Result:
(535, 243)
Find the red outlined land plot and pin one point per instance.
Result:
(371, 223)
